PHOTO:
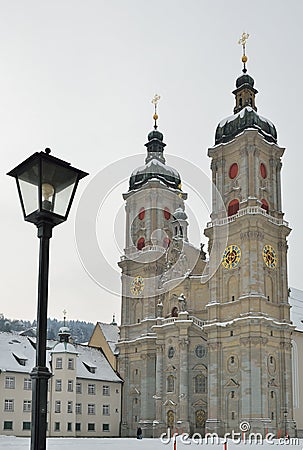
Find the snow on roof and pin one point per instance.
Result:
(14, 347)
(111, 334)
(92, 358)
(296, 311)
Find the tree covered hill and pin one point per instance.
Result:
(80, 331)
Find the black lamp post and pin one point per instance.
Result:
(46, 187)
(285, 423)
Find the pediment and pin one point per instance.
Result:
(200, 367)
(200, 402)
(170, 368)
(169, 402)
(134, 391)
(232, 383)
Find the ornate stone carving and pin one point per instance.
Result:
(252, 235)
(214, 345)
(253, 340)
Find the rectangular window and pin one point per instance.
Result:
(105, 410)
(27, 405)
(90, 427)
(78, 408)
(79, 388)
(69, 426)
(57, 406)
(232, 415)
(106, 390)
(105, 427)
(27, 384)
(91, 409)
(70, 385)
(78, 426)
(26, 426)
(9, 382)
(8, 425)
(8, 405)
(58, 386)
(58, 363)
(69, 407)
(57, 426)
(91, 389)
(70, 363)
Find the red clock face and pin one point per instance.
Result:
(263, 170)
(233, 171)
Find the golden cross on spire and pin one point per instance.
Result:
(64, 315)
(155, 102)
(242, 41)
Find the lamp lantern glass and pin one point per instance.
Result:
(46, 187)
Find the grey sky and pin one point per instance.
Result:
(78, 77)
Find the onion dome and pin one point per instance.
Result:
(245, 114)
(180, 214)
(155, 167)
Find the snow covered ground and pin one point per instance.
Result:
(13, 443)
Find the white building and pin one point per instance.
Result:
(84, 396)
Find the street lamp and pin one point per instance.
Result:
(46, 187)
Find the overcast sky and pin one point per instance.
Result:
(78, 76)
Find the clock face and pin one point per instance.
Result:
(270, 256)
(137, 285)
(231, 256)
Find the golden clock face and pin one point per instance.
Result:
(270, 256)
(137, 285)
(231, 256)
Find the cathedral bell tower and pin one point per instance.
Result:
(249, 329)
(154, 195)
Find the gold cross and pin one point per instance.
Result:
(155, 100)
(243, 39)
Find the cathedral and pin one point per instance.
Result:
(205, 337)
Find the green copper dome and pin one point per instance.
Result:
(230, 127)
(155, 167)
(245, 114)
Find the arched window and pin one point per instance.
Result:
(166, 242)
(263, 170)
(174, 312)
(264, 205)
(170, 383)
(141, 243)
(233, 207)
(166, 213)
(200, 384)
(141, 213)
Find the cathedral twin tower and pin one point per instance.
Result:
(205, 343)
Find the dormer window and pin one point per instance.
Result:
(20, 359)
(89, 367)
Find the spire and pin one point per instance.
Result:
(245, 92)
(64, 317)
(242, 41)
(64, 333)
(155, 144)
(155, 102)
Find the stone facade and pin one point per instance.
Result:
(197, 352)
